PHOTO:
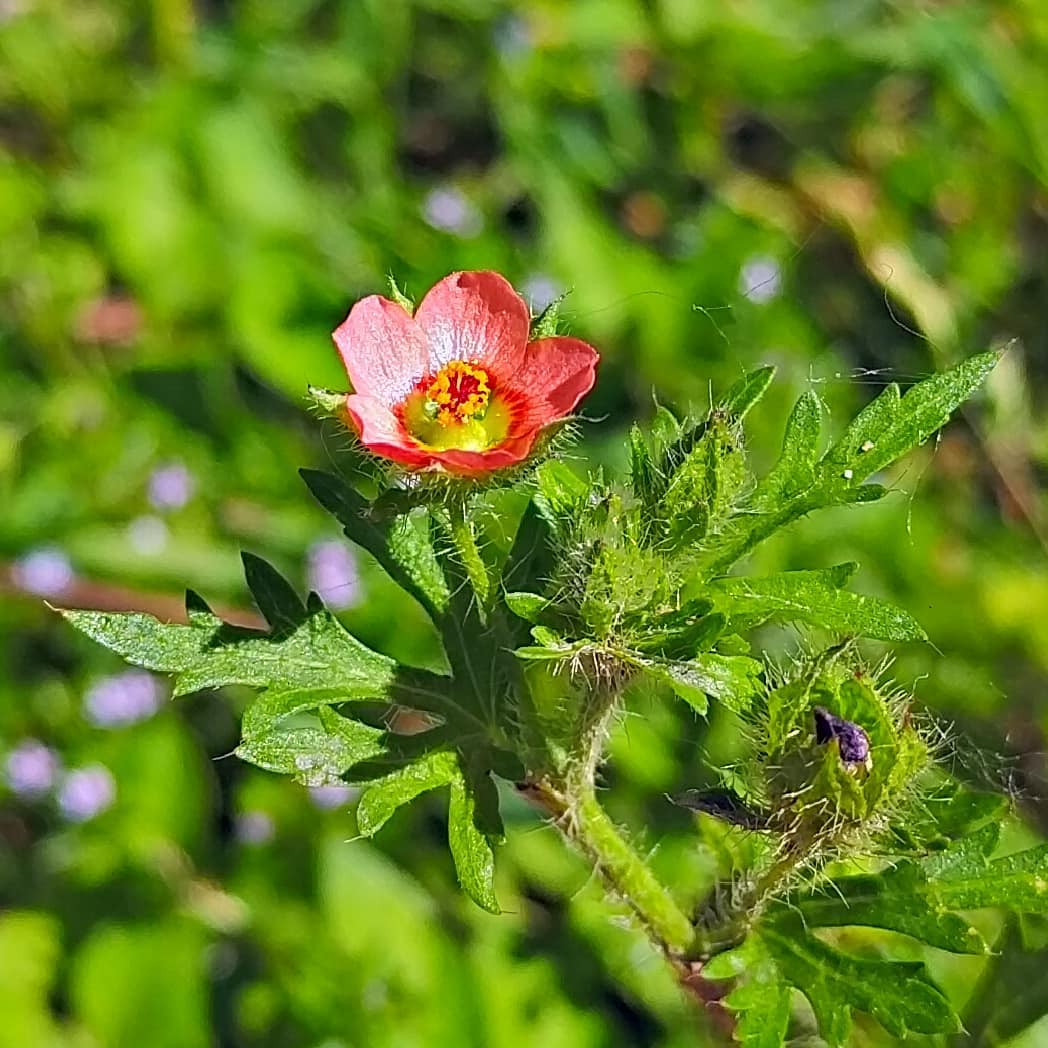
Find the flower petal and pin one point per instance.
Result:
(382, 433)
(471, 463)
(559, 371)
(475, 316)
(383, 349)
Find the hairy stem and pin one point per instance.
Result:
(585, 823)
(469, 553)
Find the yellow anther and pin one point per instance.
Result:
(459, 392)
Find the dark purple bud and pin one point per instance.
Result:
(852, 740)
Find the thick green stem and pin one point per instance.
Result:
(585, 822)
(468, 551)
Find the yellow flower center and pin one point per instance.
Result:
(457, 409)
(459, 393)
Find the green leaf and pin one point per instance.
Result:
(761, 999)
(314, 653)
(528, 606)
(814, 597)
(900, 995)
(795, 470)
(471, 847)
(274, 595)
(382, 798)
(967, 879)
(314, 756)
(900, 899)
(401, 545)
(560, 492)
(882, 432)
(746, 392)
(731, 679)
(643, 476)
(266, 711)
(1011, 993)
(891, 425)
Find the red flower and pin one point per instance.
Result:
(458, 387)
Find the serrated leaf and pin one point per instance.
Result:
(383, 796)
(900, 995)
(471, 848)
(643, 476)
(814, 597)
(967, 879)
(795, 469)
(314, 756)
(900, 899)
(882, 432)
(891, 425)
(316, 653)
(267, 710)
(740, 397)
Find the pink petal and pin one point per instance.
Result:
(559, 371)
(475, 316)
(383, 349)
(382, 433)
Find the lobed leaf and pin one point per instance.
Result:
(1011, 993)
(899, 995)
(901, 899)
(471, 847)
(795, 469)
(315, 756)
(383, 796)
(967, 879)
(814, 597)
(881, 433)
(731, 679)
(891, 425)
(761, 1000)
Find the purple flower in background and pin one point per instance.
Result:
(170, 486)
(123, 699)
(448, 210)
(45, 572)
(31, 768)
(332, 796)
(761, 279)
(254, 827)
(333, 574)
(86, 792)
(540, 290)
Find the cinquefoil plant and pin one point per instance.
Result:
(840, 815)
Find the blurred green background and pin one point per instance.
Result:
(191, 197)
